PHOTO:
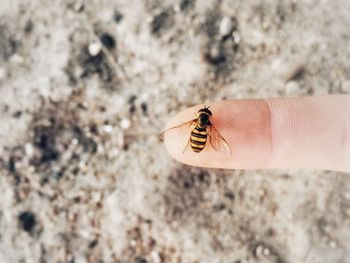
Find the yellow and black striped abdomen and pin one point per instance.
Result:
(198, 139)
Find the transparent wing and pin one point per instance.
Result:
(183, 125)
(218, 142)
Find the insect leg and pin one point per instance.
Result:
(188, 143)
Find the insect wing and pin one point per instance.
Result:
(183, 125)
(218, 142)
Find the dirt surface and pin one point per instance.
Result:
(85, 89)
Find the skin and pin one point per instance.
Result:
(286, 133)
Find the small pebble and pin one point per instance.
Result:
(75, 141)
(230, 195)
(236, 38)
(216, 55)
(333, 244)
(94, 48)
(347, 195)
(144, 107)
(82, 166)
(277, 65)
(262, 192)
(156, 257)
(345, 86)
(17, 59)
(266, 252)
(140, 259)
(177, 8)
(294, 70)
(107, 128)
(259, 250)
(327, 229)
(107, 40)
(78, 6)
(114, 152)
(226, 26)
(117, 16)
(29, 149)
(27, 221)
(28, 26)
(80, 259)
(287, 70)
(133, 243)
(125, 124)
(292, 88)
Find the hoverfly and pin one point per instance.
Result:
(203, 130)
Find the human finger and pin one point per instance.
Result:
(285, 133)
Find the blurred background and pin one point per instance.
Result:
(87, 86)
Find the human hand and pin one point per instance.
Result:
(284, 133)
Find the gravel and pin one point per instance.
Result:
(86, 88)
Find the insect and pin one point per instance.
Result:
(202, 130)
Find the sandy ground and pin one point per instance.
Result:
(85, 89)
